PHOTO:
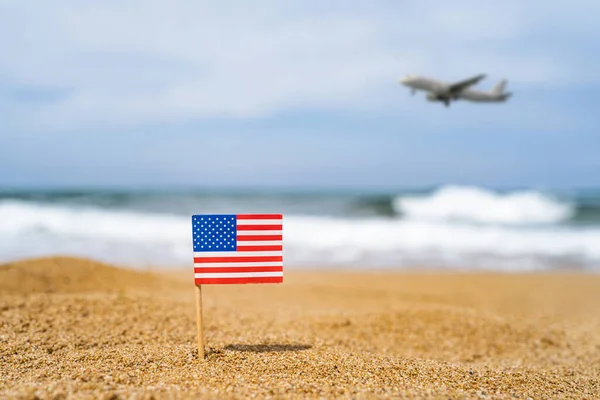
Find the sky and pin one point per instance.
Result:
(146, 93)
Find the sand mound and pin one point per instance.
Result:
(70, 275)
(318, 335)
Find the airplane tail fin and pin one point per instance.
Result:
(499, 88)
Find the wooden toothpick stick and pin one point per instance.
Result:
(199, 321)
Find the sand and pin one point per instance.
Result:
(72, 328)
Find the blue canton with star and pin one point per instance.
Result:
(214, 232)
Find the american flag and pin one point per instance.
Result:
(242, 248)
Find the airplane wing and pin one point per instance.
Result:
(462, 85)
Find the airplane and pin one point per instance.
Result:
(446, 92)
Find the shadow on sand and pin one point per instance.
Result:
(263, 348)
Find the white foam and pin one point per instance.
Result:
(28, 229)
(483, 206)
(357, 239)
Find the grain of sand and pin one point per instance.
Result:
(72, 328)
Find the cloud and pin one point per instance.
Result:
(133, 62)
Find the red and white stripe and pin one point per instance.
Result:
(258, 259)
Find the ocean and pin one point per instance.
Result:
(448, 227)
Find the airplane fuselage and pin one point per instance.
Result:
(424, 84)
(483, 97)
(446, 92)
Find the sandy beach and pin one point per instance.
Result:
(72, 328)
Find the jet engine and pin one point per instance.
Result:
(437, 97)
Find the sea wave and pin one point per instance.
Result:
(145, 238)
(447, 203)
(474, 204)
